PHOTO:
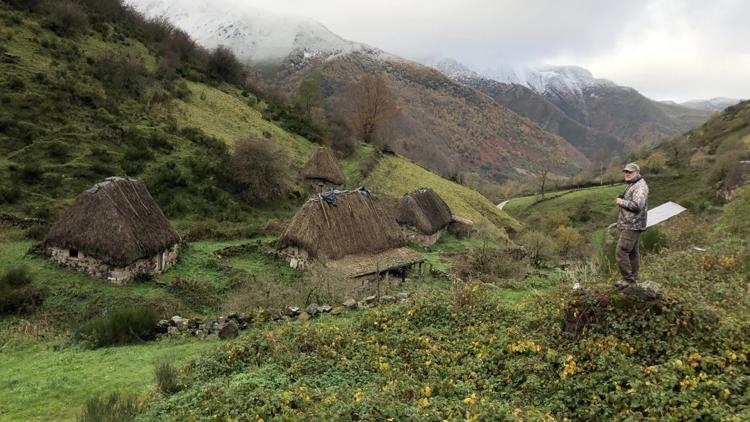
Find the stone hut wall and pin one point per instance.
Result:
(115, 275)
(296, 257)
(413, 236)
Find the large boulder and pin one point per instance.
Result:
(645, 291)
(229, 330)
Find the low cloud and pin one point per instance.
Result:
(668, 49)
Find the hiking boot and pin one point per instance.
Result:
(621, 284)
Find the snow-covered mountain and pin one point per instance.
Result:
(714, 104)
(543, 79)
(591, 113)
(450, 67)
(254, 35)
(540, 79)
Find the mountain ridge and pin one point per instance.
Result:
(444, 125)
(603, 118)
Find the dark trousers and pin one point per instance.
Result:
(628, 258)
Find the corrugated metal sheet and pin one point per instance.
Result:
(663, 212)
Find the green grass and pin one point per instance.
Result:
(40, 383)
(438, 254)
(259, 264)
(598, 202)
(350, 165)
(198, 263)
(600, 199)
(227, 116)
(395, 176)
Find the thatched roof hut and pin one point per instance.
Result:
(322, 166)
(349, 230)
(424, 210)
(116, 221)
(356, 224)
(460, 226)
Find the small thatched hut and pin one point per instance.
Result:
(322, 172)
(424, 216)
(114, 231)
(349, 231)
(460, 226)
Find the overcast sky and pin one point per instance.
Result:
(667, 49)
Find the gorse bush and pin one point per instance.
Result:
(66, 18)
(653, 240)
(540, 247)
(17, 294)
(223, 65)
(119, 326)
(122, 75)
(468, 354)
(259, 168)
(16, 277)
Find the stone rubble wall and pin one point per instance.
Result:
(115, 275)
(11, 220)
(228, 327)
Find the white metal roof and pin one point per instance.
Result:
(663, 212)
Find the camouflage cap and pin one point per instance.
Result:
(631, 167)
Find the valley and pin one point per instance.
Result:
(259, 250)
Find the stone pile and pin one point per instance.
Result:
(229, 327)
(225, 327)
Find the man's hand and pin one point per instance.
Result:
(618, 201)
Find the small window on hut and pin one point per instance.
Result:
(73, 253)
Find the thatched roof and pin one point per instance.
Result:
(323, 166)
(357, 224)
(424, 210)
(360, 265)
(116, 221)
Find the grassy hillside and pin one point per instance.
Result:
(595, 205)
(394, 176)
(469, 353)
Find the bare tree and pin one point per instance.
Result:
(369, 106)
(541, 180)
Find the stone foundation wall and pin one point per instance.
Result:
(413, 236)
(115, 275)
(297, 257)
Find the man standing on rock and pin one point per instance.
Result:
(633, 205)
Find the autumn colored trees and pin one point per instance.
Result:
(368, 106)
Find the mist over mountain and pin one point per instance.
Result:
(713, 104)
(443, 124)
(595, 117)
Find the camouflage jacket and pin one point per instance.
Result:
(634, 207)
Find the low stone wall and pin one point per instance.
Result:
(228, 327)
(115, 275)
(14, 221)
